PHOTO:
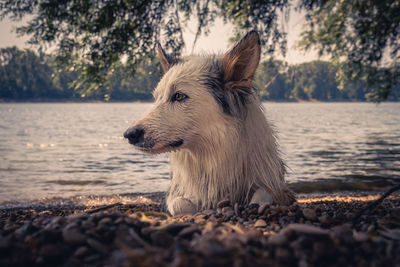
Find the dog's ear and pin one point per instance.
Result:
(240, 63)
(165, 60)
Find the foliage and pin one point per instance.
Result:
(95, 36)
(26, 75)
(361, 37)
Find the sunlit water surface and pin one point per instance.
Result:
(69, 149)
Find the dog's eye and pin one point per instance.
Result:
(178, 96)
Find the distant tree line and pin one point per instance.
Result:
(362, 38)
(27, 75)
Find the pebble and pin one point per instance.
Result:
(236, 209)
(208, 212)
(305, 229)
(73, 236)
(223, 203)
(230, 235)
(260, 223)
(50, 251)
(277, 239)
(161, 239)
(310, 214)
(360, 236)
(324, 219)
(175, 228)
(262, 208)
(189, 231)
(81, 252)
(97, 245)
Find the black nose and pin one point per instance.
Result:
(135, 135)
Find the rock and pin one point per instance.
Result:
(262, 208)
(309, 214)
(208, 212)
(97, 246)
(4, 243)
(304, 229)
(25, 230)
(50, 251)
(161, 239)
(189, 231)
(81, 252)
(277, 239)
(360, 236)
(282, 254)
(324, 219)
(223, 203)
(236, 209)
(88, 225)
(229, 214)
(175, 228)
(199, 219)
(73, 236)
(260, 223)
(226, 209)
(106, 220)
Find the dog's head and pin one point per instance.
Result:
(198, 99)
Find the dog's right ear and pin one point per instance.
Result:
(165, 60)
(240, 63)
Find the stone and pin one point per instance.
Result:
(50, 251)
(324, 219)
(97, 246)
(81, 252)
(360, 236)
(161, 239)
(106, 220)
(304, 229)
(223, 203)
(175, 228)
(260, 223)
(236, 209)
(262, 208)
(309, 214)
(73, 236)
(277, 239)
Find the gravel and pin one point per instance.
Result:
(310, 232)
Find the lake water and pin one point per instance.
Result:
(69, 149)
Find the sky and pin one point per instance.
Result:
(215, 42)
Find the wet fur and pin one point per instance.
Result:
(228, 149)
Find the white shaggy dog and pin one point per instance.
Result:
(207, 114)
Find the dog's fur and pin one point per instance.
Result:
(220, 141)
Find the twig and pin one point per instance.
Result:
(105, 207)
(376, 202)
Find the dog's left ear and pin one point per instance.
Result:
(165, 60)
(241, 62)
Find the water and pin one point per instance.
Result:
(63, 150)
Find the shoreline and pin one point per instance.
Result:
(134, 230)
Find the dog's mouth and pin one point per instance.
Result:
(156, 148)
(176, 144)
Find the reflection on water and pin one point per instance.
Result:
(49, 150)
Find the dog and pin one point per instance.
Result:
(208, 116)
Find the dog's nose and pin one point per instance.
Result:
(135, 135)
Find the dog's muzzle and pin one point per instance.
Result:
(135, 135)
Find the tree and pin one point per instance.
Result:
(96, 35)
(24, 74)
(362, 38)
